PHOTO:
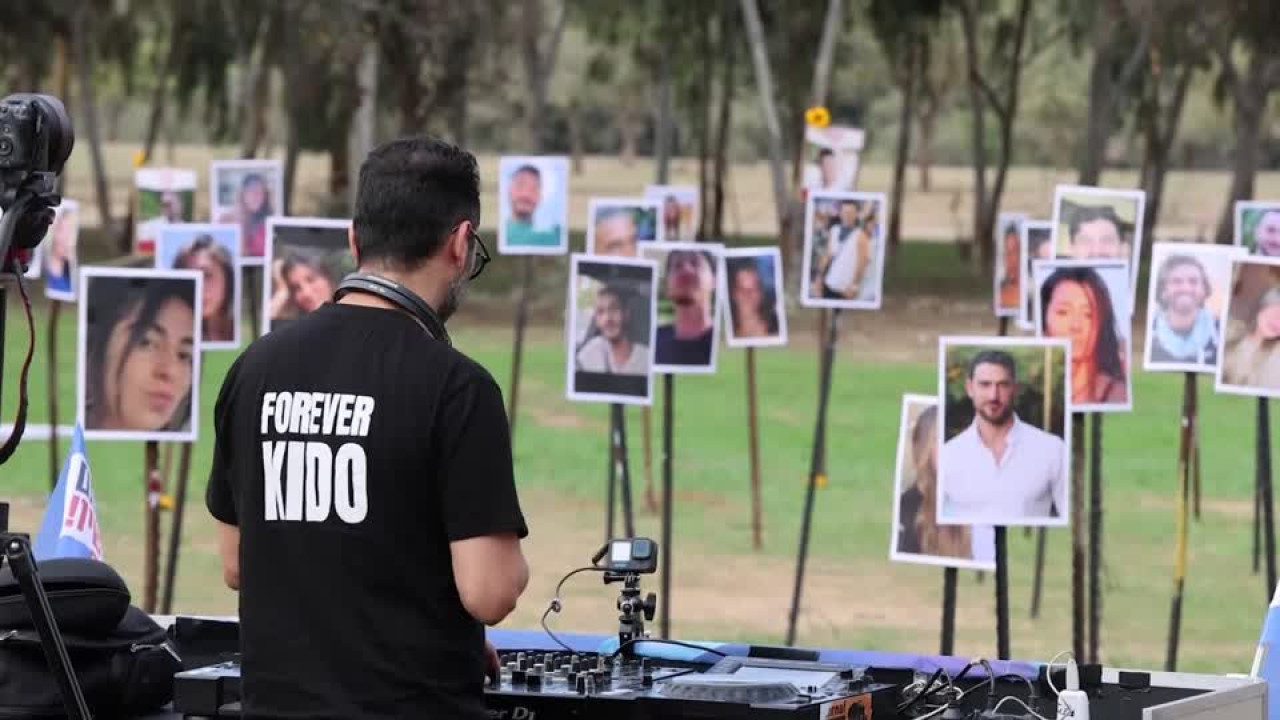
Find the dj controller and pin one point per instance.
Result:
(549, 686)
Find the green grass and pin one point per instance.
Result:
(560, 453)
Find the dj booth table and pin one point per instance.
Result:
(1120, 695)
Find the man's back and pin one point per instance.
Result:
(351, 450)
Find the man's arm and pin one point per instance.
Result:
(491, 573)
(229, 549)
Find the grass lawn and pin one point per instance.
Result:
(722, 588)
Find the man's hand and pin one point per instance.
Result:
(491, 668)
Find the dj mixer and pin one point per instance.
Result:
(548, 686)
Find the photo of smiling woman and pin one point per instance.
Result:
(213, 250)
(138, 354)
(1250, 362)
(306, 259)
(1087, 302)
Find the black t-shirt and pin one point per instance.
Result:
(350, 450)
(671, 350)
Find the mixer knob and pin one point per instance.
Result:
(539, 668)
(518, 677)
(575, 659)
(581, 684)
(549, 660)
(522, 661)
(534, 681)
(571, 678)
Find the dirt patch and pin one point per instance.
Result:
(561, 420)
(1227, 508)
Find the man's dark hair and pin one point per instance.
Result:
(1173, 262)
(994, 357)
(824, 153)
(1106, 349)
(1089, 213)
(412, 193)
(528, 169)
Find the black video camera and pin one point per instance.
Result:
(632, 555)
(36, 137)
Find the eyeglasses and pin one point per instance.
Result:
(482, 254)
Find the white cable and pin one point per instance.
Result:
(1014, 698)
(934, 712)
(1049, 672)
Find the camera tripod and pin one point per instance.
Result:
(634, 610)
(15, 548)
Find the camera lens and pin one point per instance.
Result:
(6, 146)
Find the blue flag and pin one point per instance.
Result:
(70, 526)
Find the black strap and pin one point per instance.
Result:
(399, 295)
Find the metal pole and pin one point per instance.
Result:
(1077, 536)
(949, 576)
(1037, 583)
(51, 382)
(753, 448)
(151, 561)
(1184, 492)
(816, 469)
(1095, 534)
(175, 528)
(517, 353)
(624, 473)
(1002, 592)
(668, 493)
(1264, 482)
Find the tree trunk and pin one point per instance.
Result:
(364, 124)
(155, 118)
(728, 43)
(84, 60)
(662, 143)
(704, 127)
(629, 130)
(339, 177)
(1099, 116)
(1159, 130)
(1244, 166)
(912, 60)
(764, 83)
(292, 151)
(924, 149)
(968, 15)
(575, 136)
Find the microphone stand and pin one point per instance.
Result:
(17, 552)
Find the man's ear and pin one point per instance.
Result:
(351, 244)
(459, 244)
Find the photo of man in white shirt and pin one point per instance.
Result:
(1000, 468)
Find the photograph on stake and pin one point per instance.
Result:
(1087, 302)
(616, 227)
(246, 193)
(1005, 431)
(139, 354)
(1250, 358)
(163, 195)
(1186, 305)
(1035, 243)
(843, 250)
(533, 205)
(58, 253)
(916, 536)
(687, 339)
(1007, 278)
(214, 251)
(613, 307)
(751, 289)
(832, 157)
(307, 259)
(1257, 226)
(1091, 223)
(679, 211)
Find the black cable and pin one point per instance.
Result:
(20, 423)
(553, 635)
(633, 641)
(924, 692)
(555, 605)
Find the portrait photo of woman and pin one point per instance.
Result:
(58, 253)
(916, 535)
(139, 354)
(246, 193)
(1250, 359)
(1087, 302)
(306, 260)
(756, 314)
(212, 250)
(613, 326)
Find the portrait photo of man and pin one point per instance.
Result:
(616, 227)
(844, 249)
(1185, 305)
(164, 195)
(1004, 431)
(533, 205)
(612, 329)
(1257, 227)
(1008, 271)
(1092, 223)
(832, 157)
(688, 311)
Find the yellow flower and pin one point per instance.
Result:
(138, 158)
(817, 117)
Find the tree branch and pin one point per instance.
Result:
(826, 53)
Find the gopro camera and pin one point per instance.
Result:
(630, 555)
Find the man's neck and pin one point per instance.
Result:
(692, 320)
(420, 282)
(993, 435)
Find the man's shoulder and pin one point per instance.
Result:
(1040, 437)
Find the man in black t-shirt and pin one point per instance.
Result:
(362, 475)
(690, 284)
